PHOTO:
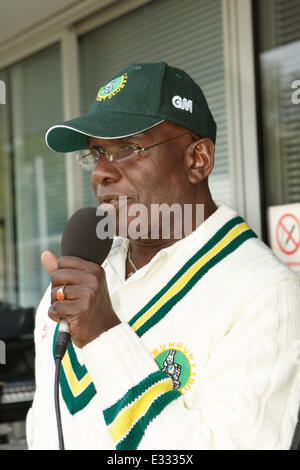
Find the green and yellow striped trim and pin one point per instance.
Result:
(128, 418)
(76, 384)
(224, 242)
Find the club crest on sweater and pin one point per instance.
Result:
(177, 362)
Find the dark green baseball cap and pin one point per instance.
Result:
(139, 97)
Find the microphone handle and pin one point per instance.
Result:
(64, 326)
(62, 339)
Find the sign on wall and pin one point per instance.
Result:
(284, 233)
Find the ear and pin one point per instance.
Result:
(199, 160)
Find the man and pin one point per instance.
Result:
(217, 300)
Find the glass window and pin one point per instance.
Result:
(188, 35)
(279, 67)
(279, 61)
(33, 181)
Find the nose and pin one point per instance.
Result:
(105, 173)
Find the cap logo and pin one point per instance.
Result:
(112, 88)
(182, 103)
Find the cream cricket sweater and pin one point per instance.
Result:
(205, 357)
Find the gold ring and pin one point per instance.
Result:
(60, 294)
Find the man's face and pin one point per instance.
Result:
(154, 176)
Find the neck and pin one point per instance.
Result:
(143, 250)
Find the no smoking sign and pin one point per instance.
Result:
(288, 234)
(284, 230)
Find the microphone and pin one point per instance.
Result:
(80, 239)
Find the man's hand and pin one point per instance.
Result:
(87, 307)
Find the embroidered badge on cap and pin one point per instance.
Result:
(112, 88)
(176, 361)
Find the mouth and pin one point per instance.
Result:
(109, 200)
(113, 200)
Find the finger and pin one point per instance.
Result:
(62, 277)
(62, 309)
(73, 262)
(49, 261)
(52, 313)
(70, 293)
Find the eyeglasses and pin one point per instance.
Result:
(115, 153)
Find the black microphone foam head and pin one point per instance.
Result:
(80, 237)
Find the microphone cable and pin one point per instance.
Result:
(57, 407)
(61, 345)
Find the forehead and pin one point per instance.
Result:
(147, 136)
(93, 141)
(161, 131)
